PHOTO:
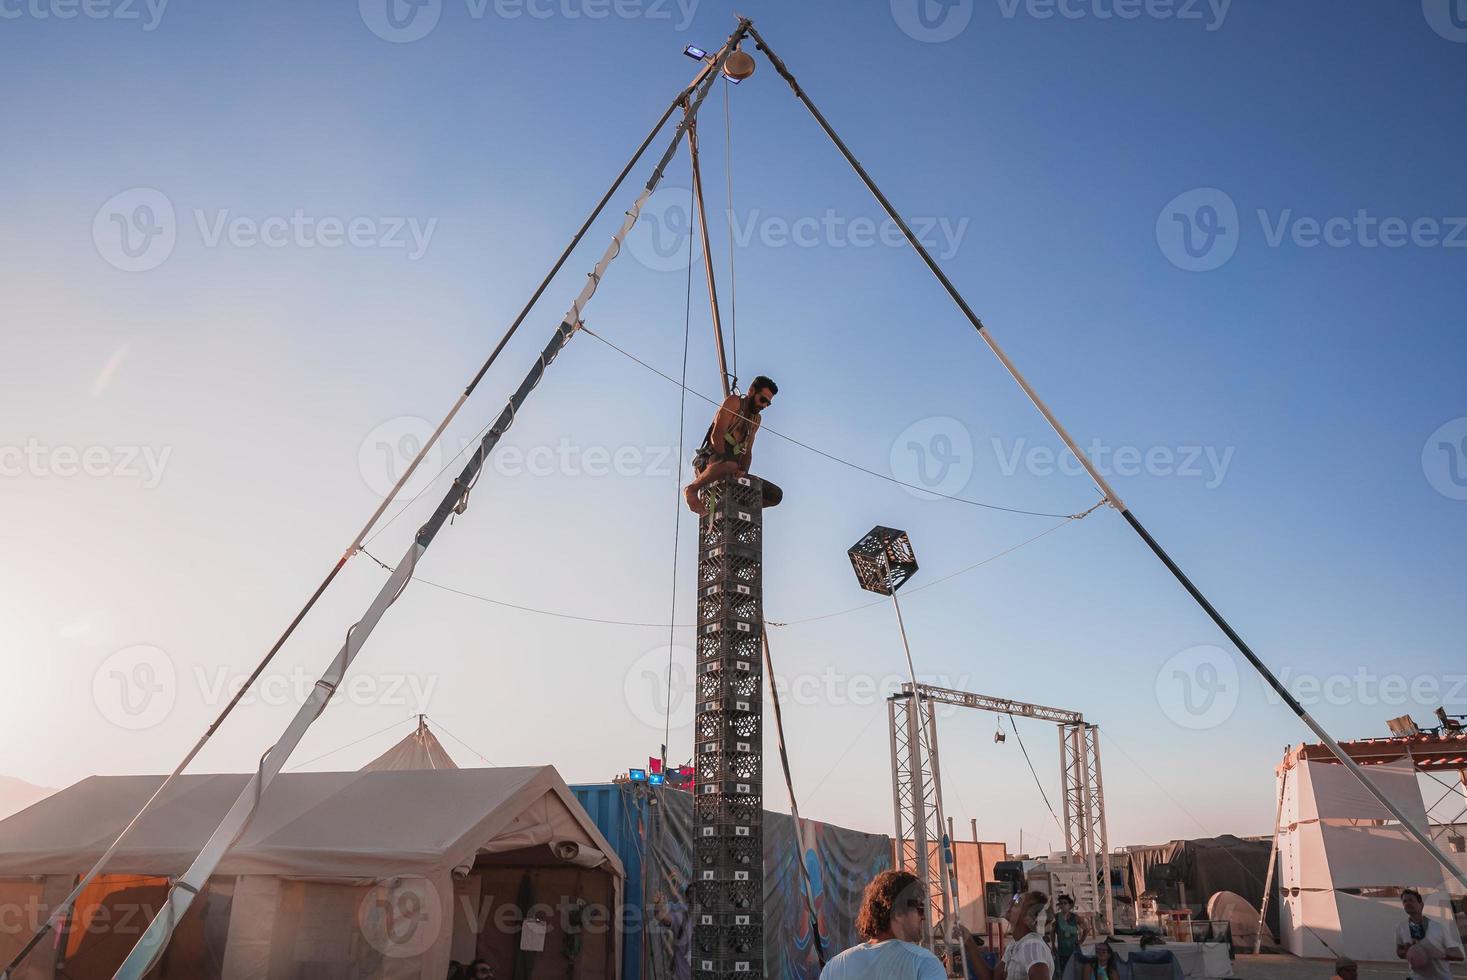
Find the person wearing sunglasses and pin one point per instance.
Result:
(729, 445)
(893, 908)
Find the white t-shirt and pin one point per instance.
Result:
(1019, 956)
(1436, 934)
(890, 960)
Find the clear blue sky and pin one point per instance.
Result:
(1073, 159)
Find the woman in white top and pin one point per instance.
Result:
(1027, 955)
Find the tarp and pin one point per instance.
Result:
(327, 824)
(840, 861)
(1205, 867)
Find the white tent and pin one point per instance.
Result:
(419, 749)
(360, 874)
(1343, 860)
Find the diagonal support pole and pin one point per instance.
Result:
(1103, 485)
(184, 889)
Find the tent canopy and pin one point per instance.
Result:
(328, 824)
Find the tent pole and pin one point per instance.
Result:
(1103, 485)
(356, 545)
(723, 375)
(1273, 854)
(184, 889)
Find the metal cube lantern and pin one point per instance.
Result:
(883, 560)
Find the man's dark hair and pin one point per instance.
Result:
(881, 897)
(763, 382)
(1412, 891)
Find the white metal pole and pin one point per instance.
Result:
(1273, 854)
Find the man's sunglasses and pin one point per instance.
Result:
(918, 905)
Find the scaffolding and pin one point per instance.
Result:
(916, 777)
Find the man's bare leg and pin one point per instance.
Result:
(715, 472)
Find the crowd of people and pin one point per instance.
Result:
(1042, 946)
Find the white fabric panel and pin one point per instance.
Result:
(1329, 790)
(1363, 857)
(251, 922)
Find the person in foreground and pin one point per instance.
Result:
(728, 447)
(890, 920)
(1423, 942)
(1027, 955)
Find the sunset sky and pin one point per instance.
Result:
(251, 254)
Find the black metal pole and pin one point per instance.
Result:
(1268, 676)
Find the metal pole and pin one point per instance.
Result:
(182, 892)
(947, 855)
(1104, 486)
(723, 375)
(1087, 827)
(1273, 854)
(61, 910)
(1066, 789)
(919, 811)
(1110, 907)
(896, 786)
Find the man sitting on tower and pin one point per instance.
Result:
(729, 444)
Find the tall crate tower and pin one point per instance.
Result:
(728, 847)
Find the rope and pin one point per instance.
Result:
(439, 725)
(339, 748)
(660, 625)
(820, 452)
(733, 287)
(1035, 774)
(677, 487)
